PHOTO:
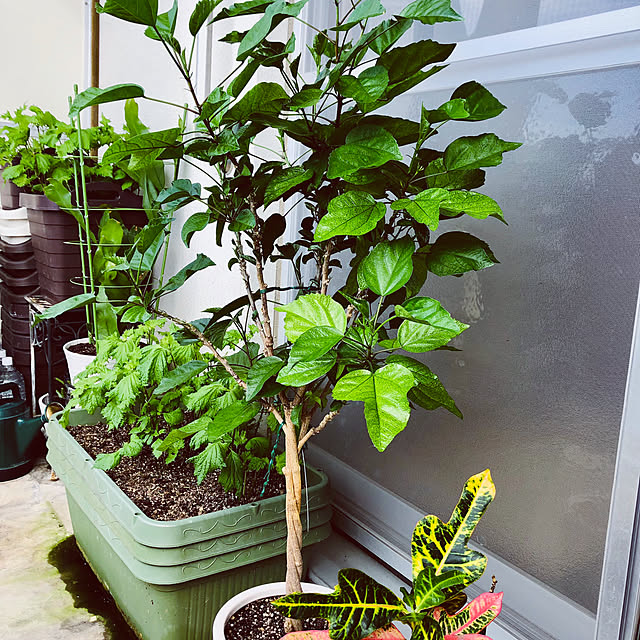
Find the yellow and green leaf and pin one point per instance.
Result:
(444, 546)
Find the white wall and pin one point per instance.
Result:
(41, 53)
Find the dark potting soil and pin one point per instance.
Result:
(83, 348)
(169, 491)
(259, 620)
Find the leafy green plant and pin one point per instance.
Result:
(36, 148)
(168, 395)
(375, 196)
(435, 608)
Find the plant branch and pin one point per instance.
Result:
(247, 284)
(207, 343)
(316, 430)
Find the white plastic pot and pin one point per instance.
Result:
(76, 362)
(256, 593)
(14, 226)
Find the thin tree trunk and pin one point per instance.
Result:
(294, 524)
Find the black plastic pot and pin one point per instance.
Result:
(18, 341)
(13, 302)
(16, 251)
(55, 238)
(17, 324)
(24, 263)
(19, 280)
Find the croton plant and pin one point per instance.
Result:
(313, 152)
(436, 607)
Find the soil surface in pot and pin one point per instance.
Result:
(169, 491)
(84, 348)
(259, 620)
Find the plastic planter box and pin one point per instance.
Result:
(169, 579)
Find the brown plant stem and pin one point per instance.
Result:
(316, 430)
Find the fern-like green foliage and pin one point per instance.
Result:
(168, 396)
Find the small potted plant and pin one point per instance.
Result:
(435, 608)
(378, 202)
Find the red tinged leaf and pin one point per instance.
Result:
(390, 633)
(470, 619)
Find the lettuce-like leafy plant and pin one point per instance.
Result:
(435, 608)
(36, 149)
(378, 202)
(167, 395)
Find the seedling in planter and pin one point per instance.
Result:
(435, 608)
(374, 193)
(167, 394)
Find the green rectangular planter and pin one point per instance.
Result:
(170, 578)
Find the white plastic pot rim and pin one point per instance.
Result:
(256, 593)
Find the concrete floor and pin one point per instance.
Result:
(34, 604)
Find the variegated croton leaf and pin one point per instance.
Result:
(470, 620)
(427, 629)
(388, 633)
(431, 589)
(444, 546)
(358, 606)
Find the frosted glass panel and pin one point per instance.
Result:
(489, 17)
(541, 373)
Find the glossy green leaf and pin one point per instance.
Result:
(306, 97)
(384, 393)
(444, 546)
(430, 11)
(404, 62)
(201, 262)
(367, 87)
(451, 110)
(351, 214)
(429, 311)
(424, 207)
(298, 373)
(266, 98)
(243, 9)
(419, 338)
(260, 372)
(179, 376)
(200, 14)
(386, 34)
(314, 343)
(274, 14)
(479, 102)
(284, 180)
(364, 10)
(144, 149)
(388, 267)
(55, 310)
(95, 95)
(165, 24)
(178, 194)
(473, 152)
(137, 11)
(231, 417)
(194, 223)
(388, 633)
(456, 253)
(476, 205)
(358, 606)
(243, 221)
(366, 147)
(312, 310)
(439, 177)
(176, 435)
(429, 392)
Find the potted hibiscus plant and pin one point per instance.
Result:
(375, 196)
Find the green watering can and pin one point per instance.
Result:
(21, 438)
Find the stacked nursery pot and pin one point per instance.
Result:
(18, 277)
(170, 578)
(55, 235)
